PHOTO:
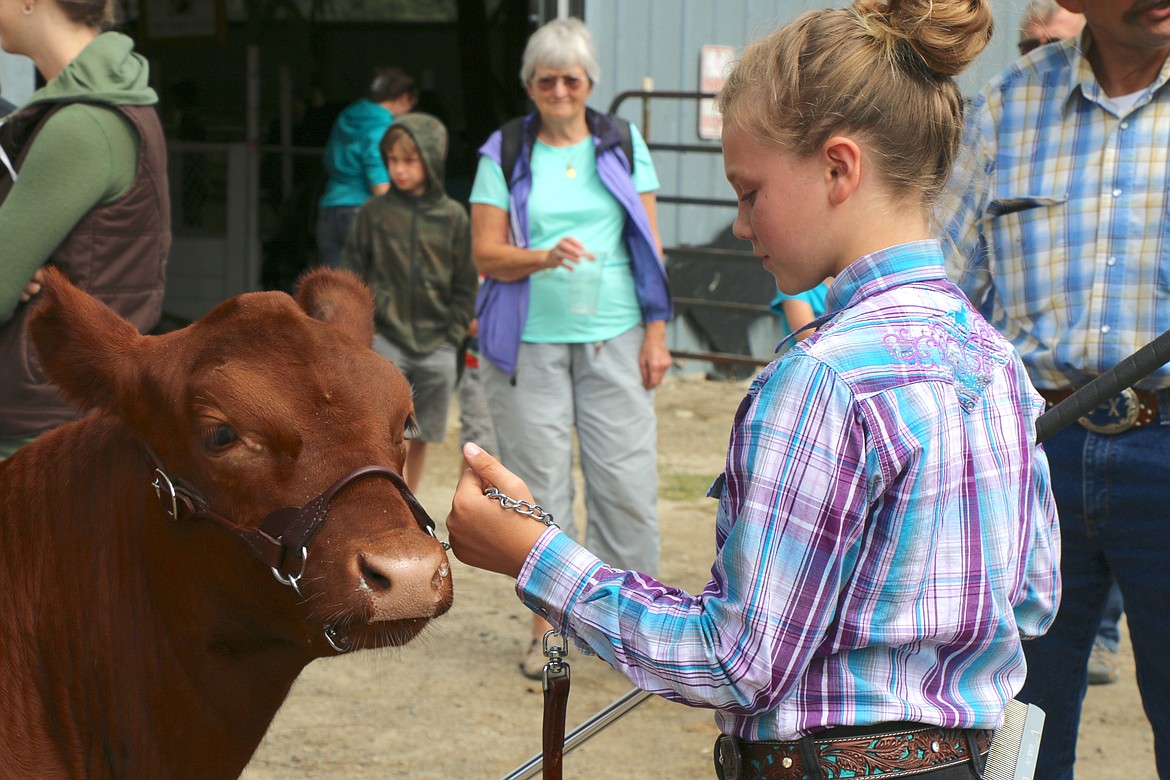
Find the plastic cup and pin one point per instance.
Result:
(585, 284)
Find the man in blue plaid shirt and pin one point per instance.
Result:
(1063, 242)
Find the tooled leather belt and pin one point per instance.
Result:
(1128, 409)
(901, 753)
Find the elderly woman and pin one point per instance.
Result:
(573, 208)
(83, 186)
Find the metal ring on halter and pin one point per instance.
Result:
(337, 640)
(435, 536)
(293, 580)
(158, 484)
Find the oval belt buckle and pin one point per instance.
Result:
(1115, 415)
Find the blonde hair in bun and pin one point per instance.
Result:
(882, 70)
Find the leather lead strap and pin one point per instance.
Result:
(556, 700)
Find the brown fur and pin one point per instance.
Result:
(135, 646)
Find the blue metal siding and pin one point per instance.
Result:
(662, 39)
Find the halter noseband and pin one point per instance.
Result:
(281, 540)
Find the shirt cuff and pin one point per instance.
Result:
(554, 574)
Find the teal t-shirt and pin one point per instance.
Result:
(815, 298)
(580, 206)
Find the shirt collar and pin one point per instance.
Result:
(917, 261)
(1082, 78)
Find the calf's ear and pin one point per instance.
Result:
(340, 299)
(84, 348)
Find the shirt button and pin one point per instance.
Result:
(1104, 328)
(1111, 261)
(1117, 193)
(1125, 125)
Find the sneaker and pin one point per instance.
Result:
(1103, 665)
(532, 664)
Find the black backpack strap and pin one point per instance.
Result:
(511, 139)
(605, 126)
(627, 141)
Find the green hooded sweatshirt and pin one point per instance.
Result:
(415, 252)
(85, 155)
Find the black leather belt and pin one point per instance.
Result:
(895, 753)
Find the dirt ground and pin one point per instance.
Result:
(453, 705)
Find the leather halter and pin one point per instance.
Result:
(281, 540)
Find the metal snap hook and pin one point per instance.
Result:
(337, 640)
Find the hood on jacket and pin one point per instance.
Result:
(359, 119)
(430, 136)
(106, 71)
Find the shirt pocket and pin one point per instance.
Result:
(1025, 243)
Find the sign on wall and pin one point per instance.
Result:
(714, 62)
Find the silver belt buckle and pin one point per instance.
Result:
(1117, 415)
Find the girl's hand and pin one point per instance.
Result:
(482, 533)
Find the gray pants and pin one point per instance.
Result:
(475, 418)
(432, 380)
(599, 388)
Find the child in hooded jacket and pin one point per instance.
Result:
(412, 245)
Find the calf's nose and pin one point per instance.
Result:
(406, 586)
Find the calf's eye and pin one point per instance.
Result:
(217, 437)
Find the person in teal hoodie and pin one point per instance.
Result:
(82, 187)
(352, 159)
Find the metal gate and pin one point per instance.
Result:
(722, 292)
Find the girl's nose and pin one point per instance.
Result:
(741, 228)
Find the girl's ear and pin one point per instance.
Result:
(842, 158)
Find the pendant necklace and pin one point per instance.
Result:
(570, 170)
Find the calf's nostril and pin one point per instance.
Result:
(374, 577)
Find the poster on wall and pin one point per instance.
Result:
(183, 20)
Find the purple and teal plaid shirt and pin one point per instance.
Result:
(886, 531)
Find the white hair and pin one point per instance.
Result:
(561, 44)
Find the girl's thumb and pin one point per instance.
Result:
(482, 463)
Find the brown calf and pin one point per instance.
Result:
(143, 633)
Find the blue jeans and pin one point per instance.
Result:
(1115, 525)
(332, 227)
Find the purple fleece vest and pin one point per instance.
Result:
(502, 307)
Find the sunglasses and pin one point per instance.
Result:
(549, 83)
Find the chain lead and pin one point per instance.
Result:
(523, 507)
